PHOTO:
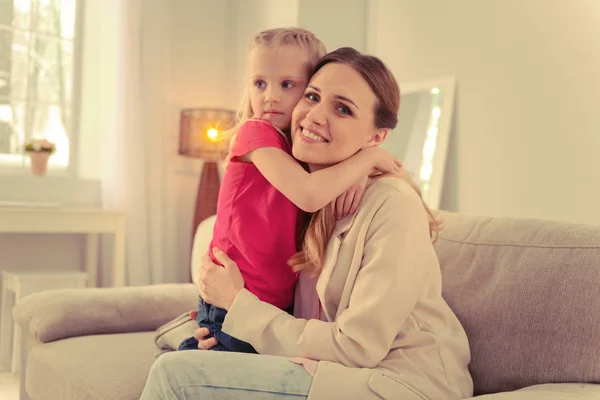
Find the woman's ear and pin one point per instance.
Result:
(377, 138)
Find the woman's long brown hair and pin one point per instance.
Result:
(381, 81)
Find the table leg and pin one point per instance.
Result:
(119, 277)
(91, 259)
(16, 352)
(6, 328)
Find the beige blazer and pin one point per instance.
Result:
(390, 333)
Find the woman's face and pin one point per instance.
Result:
(334, 118)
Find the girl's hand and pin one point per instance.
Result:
(439, 220)
(383, 162)
(219, 285)
(201, 334)
(347, 203)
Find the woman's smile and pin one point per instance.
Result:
(311, 136)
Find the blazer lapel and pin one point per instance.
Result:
(330, 261)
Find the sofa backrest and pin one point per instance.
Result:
(528, 295)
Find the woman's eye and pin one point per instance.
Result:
(287, 84)
(260, 84)
(312, 96)
(344, 110)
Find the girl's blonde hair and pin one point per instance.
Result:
(279, 37)
(385, 87)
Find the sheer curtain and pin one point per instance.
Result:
(134, 140)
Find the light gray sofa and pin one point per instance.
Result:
(526, 291)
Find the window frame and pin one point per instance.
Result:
(8, 162)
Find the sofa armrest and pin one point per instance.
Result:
(59, 314)
(548, 391)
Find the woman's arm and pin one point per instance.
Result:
(313, 191)
(394, 273)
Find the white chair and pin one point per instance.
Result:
(15, 286)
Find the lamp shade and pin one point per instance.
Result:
(201, 133)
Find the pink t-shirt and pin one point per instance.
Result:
(256, 224)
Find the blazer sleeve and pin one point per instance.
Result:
(398, 259)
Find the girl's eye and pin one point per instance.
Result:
(344, 110)
(260, 84)
(287, 84)
(311, 96)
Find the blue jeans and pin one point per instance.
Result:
(207, 375)
(212, 317)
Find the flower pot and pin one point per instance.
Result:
(39, 162)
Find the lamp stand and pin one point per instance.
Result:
(207, 195)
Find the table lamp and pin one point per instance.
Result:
(201, 136)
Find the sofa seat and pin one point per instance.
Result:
(94, 367)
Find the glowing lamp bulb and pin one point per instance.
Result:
(212, 134)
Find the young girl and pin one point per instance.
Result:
(264, 186)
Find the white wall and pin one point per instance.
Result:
(338, 23)
(527, 131)
(200, 41)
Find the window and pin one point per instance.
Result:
(37, 70)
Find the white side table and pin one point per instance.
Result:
(73, 220)
(15, 286)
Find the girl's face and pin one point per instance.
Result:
(278, 76)
(335, 117)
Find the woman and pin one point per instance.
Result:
(376, 322)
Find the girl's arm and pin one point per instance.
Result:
(394, 274)
(313, 191)
(347, 203)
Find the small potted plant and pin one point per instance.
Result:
(39, 150)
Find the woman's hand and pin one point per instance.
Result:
(347, 203)
(201, 334)
(219, 285)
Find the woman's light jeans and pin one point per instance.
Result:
(206, 375)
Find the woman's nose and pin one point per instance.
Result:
(317, 115)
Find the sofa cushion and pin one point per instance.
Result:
(528, 295)
(98, 367)
(59, 314)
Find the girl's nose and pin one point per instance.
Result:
(272, 95)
